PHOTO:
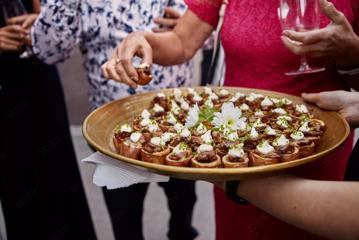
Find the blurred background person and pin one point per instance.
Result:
(40, 186)
(97, 27)
(256, 58)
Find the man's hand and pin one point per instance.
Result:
(346, 103)
(168, 22)
(337, 40)
(12, 38)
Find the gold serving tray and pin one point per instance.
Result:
(98, 129)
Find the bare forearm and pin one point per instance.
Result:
(182, 43)
(329, 209)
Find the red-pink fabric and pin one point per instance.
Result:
(256, 58)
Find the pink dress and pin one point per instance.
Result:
(256, 58)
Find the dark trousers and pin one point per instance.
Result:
(126, 206)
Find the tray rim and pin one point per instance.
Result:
(168, 170)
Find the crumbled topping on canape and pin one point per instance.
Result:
(298, 135)
(205, 148)
(266, 102)
(145, 114)
(254, 134)
(207, 137)
(135, 137)
(167, 136)
(265, 148)
(282, 141)
(157, 141)
(126, 128)
(270, 131)
(201, 129)
(223, 93)
(244, 107)
(185, 133)
(161, 95)
(301, 108)
(158, 108)
(305, 127)
(279, 111)
(171, 119)
(180, 148)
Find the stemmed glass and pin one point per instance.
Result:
(300, 16)
(11, 9)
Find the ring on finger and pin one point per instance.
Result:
(118, 61)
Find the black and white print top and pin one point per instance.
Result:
(97, 26)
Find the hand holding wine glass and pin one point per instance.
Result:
(300, 16)
(337, 40)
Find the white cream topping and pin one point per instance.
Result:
(205, 148)
(184, 105)
(254, 134)
(177, 94)
(126, 128)
(191, 91)
(305, 127)
(297, 135)
(157, 141)
(207, 137)
(171, 119)
(152, 126)
(197, 97)
(223, 93)
(180, 148)
(244, 127)
(266, 102)
(144, 122)
(280, 111)
(161, 95)
(207, 90)
(244, 107)
(178, 127)
(236, 152)
(166, 137)
(258, 123)
(253, 96)
(185, 133)
(135, 137)
(157, 108)
(301, 108)
(265, 148)
(213, 96)
(283, 123)
(175, 108)
(145, 114)
(233, 136)
(282, 141)
(285, 118)
(270, 131)
(259, 113)
(209, 103)
(201, 129)
(285, 101)
(275, 100)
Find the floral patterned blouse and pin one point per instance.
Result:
(97, 26)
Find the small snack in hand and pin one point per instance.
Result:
(144, 74)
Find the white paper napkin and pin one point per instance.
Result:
(112, 174)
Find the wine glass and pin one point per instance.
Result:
(300, 16)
